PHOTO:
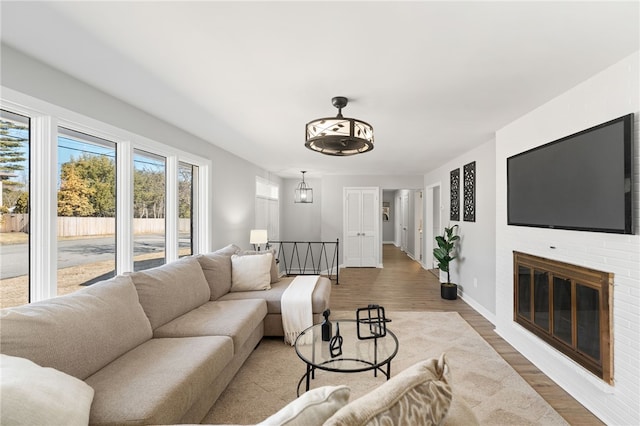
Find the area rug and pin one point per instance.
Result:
(494, 390)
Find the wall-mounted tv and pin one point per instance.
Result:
(581, 182)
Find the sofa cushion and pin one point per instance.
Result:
(312, 408)
(250, 272)
(170, 290)
(275, 270)
(78, 333)
(320, 297)
(34, 395)
(234, 318)
(418, 395)
(159, 381)
(217, 269)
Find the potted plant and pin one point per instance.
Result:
(444, 254)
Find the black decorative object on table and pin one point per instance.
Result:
(374, 318)
(335, 344)
(326, 326)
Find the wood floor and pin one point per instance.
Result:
(402, 285)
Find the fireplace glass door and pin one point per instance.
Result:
(568, 307)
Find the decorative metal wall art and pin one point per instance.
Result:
(470, 192)
(454, 211)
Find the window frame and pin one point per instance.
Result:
(267, 207)
(45, 119)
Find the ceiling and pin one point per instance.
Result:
(435, 79)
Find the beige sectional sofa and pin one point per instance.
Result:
(157, 346)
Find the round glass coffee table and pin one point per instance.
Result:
(357, 354)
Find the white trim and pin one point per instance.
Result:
(43, 201)
(202, 238)
(478, 307)
(171, 209)
(124, 208)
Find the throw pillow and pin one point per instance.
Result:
(251, 272)
(420, 394)
(312, 408)
(217, 271)
(34, 395)
(228, 250)
(275, 270)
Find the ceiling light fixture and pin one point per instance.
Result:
(303, 193)
(338, 135)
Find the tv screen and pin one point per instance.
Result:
(581, 182)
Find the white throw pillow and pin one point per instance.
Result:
(312, 408)
(251, 272)
(34, 395)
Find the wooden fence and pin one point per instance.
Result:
(87, 226)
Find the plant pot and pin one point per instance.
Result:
(449, 291)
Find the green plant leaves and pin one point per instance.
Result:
(446, 245)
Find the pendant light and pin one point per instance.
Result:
(303, 193)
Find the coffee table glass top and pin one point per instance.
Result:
(357, 354)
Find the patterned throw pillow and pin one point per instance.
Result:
(420, 395)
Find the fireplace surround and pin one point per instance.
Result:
(567, 306)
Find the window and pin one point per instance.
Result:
(14, 209)
(86, 210)
(109, 188)
(149, 188)
(268, 208)
(187, 183)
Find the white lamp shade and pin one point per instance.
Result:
(258, 236)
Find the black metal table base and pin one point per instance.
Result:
(311, 370)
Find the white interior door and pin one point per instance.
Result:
(361, 227)
(418, 209)
(353, 218)
(432, 223)
(405, 222)
(369, 228)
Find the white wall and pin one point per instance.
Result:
(232, 179)
(474, 270)
(300, 221)
(610, 94)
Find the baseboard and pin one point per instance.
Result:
(489, 316)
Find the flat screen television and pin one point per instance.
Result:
(580, 182)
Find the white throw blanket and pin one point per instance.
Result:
(296, 306)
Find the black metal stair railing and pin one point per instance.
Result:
(314, 261)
